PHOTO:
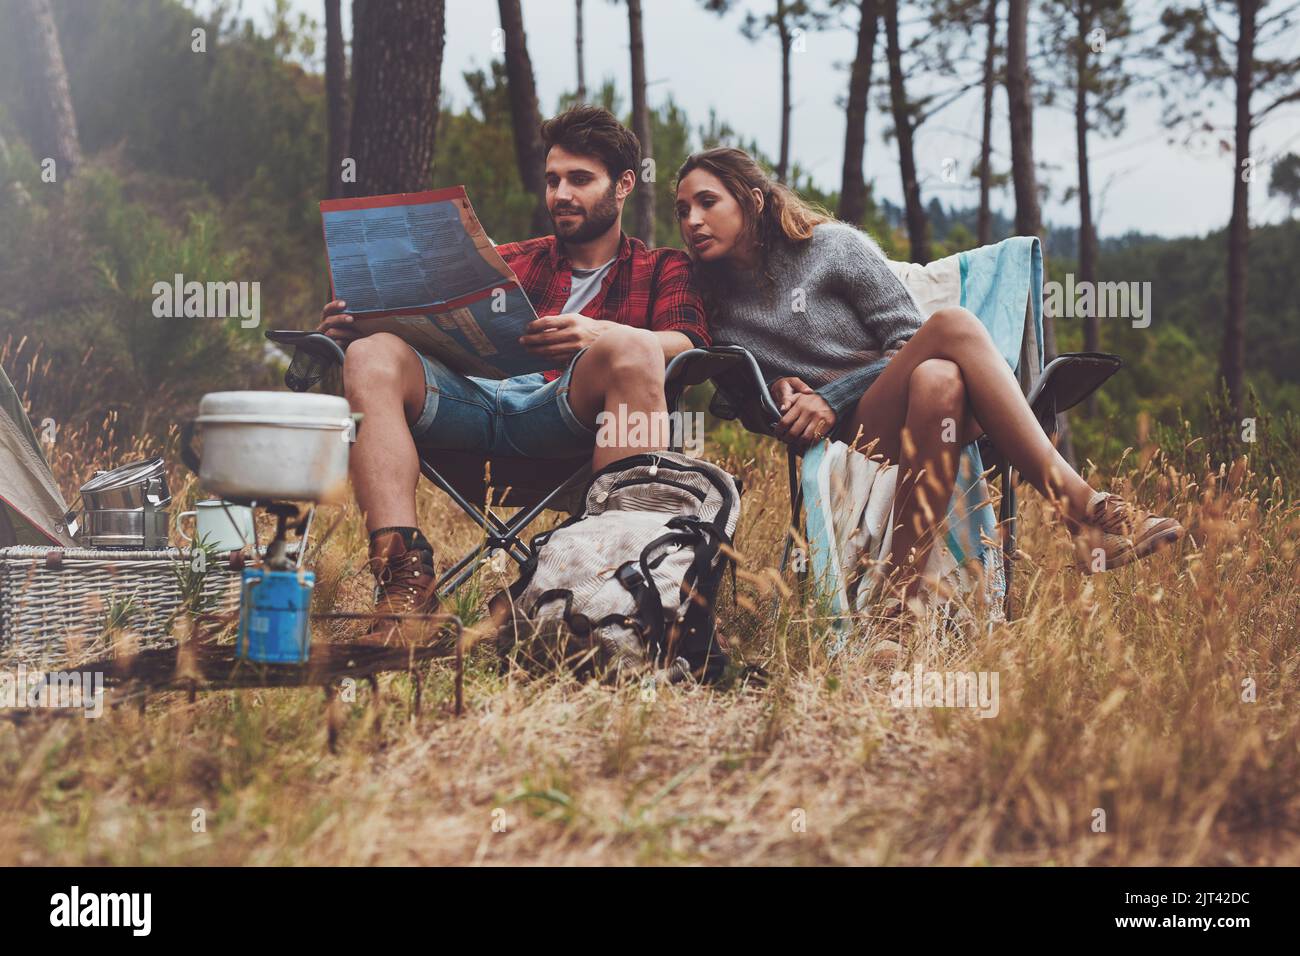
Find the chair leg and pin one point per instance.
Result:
(464, 568)
(1008, 518)
(447, 591)
(508, 534)
(497, 533)
(493, 526)
(786, 549)
(796, 512)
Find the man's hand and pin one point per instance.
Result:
(337, 324)
(562, 336)
(785, 389)
(806, 417)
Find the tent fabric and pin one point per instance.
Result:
(31, 505)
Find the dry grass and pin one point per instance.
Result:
(1122, 692)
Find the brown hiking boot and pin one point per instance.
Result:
(1122, 532)
(407, 585)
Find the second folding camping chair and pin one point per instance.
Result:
(1001, 283)
(741, 394)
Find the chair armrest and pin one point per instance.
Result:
(316, 343)
(314, 354)
(1073, 376)
(1066, 381)
(736, 375)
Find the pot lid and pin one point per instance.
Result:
(285, 404)
(137, 472)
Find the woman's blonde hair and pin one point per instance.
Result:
(784, 218)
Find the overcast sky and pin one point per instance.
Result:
(704, 62)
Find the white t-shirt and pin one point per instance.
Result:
(586, 283)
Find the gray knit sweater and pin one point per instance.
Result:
(835, 309)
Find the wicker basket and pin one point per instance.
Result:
(53, 598)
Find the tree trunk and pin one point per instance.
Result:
(1087, 228)
(643, 194)
(783, 29)
(853, 185)
(358, 29)
(917, 228)
(1029, 221)
(1233, 360)
(336, 104)
(984, 222)
(397, 65)
(55, 129)
(525, 118)
(581, 96)
(1029, 217)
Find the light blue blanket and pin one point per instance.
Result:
(997, 282)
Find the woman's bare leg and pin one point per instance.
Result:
(995, 401)
(991, 401)
(935, 430)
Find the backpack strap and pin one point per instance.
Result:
(649, 609)
(697, 644)
(639, 582)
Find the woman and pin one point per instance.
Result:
(847, 356)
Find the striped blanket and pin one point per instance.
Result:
(850, 498)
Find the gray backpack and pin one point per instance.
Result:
(628, 584)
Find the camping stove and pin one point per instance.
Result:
(266, 450)
(275, 597)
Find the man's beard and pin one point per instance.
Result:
(595, 223)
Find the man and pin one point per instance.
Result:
(612, 313)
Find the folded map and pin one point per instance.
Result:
(419, 265)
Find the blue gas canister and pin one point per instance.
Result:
(274, 616)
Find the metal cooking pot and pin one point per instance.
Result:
(128, 486)
(125, 507)
(123, 528)
(271, 446)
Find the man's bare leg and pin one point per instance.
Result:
(622, 373)
(384, 380)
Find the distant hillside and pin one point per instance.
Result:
(1189, 292)
(1062, 241)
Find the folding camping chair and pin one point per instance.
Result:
(477, 483)
(741, 394)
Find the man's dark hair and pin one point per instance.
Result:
(594, 131)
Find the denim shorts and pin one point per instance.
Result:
(524, 416)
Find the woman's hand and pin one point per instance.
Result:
(806, 417)
(337, 324)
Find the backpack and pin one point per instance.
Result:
(628, 584)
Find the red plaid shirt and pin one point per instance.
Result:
(645, 288)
